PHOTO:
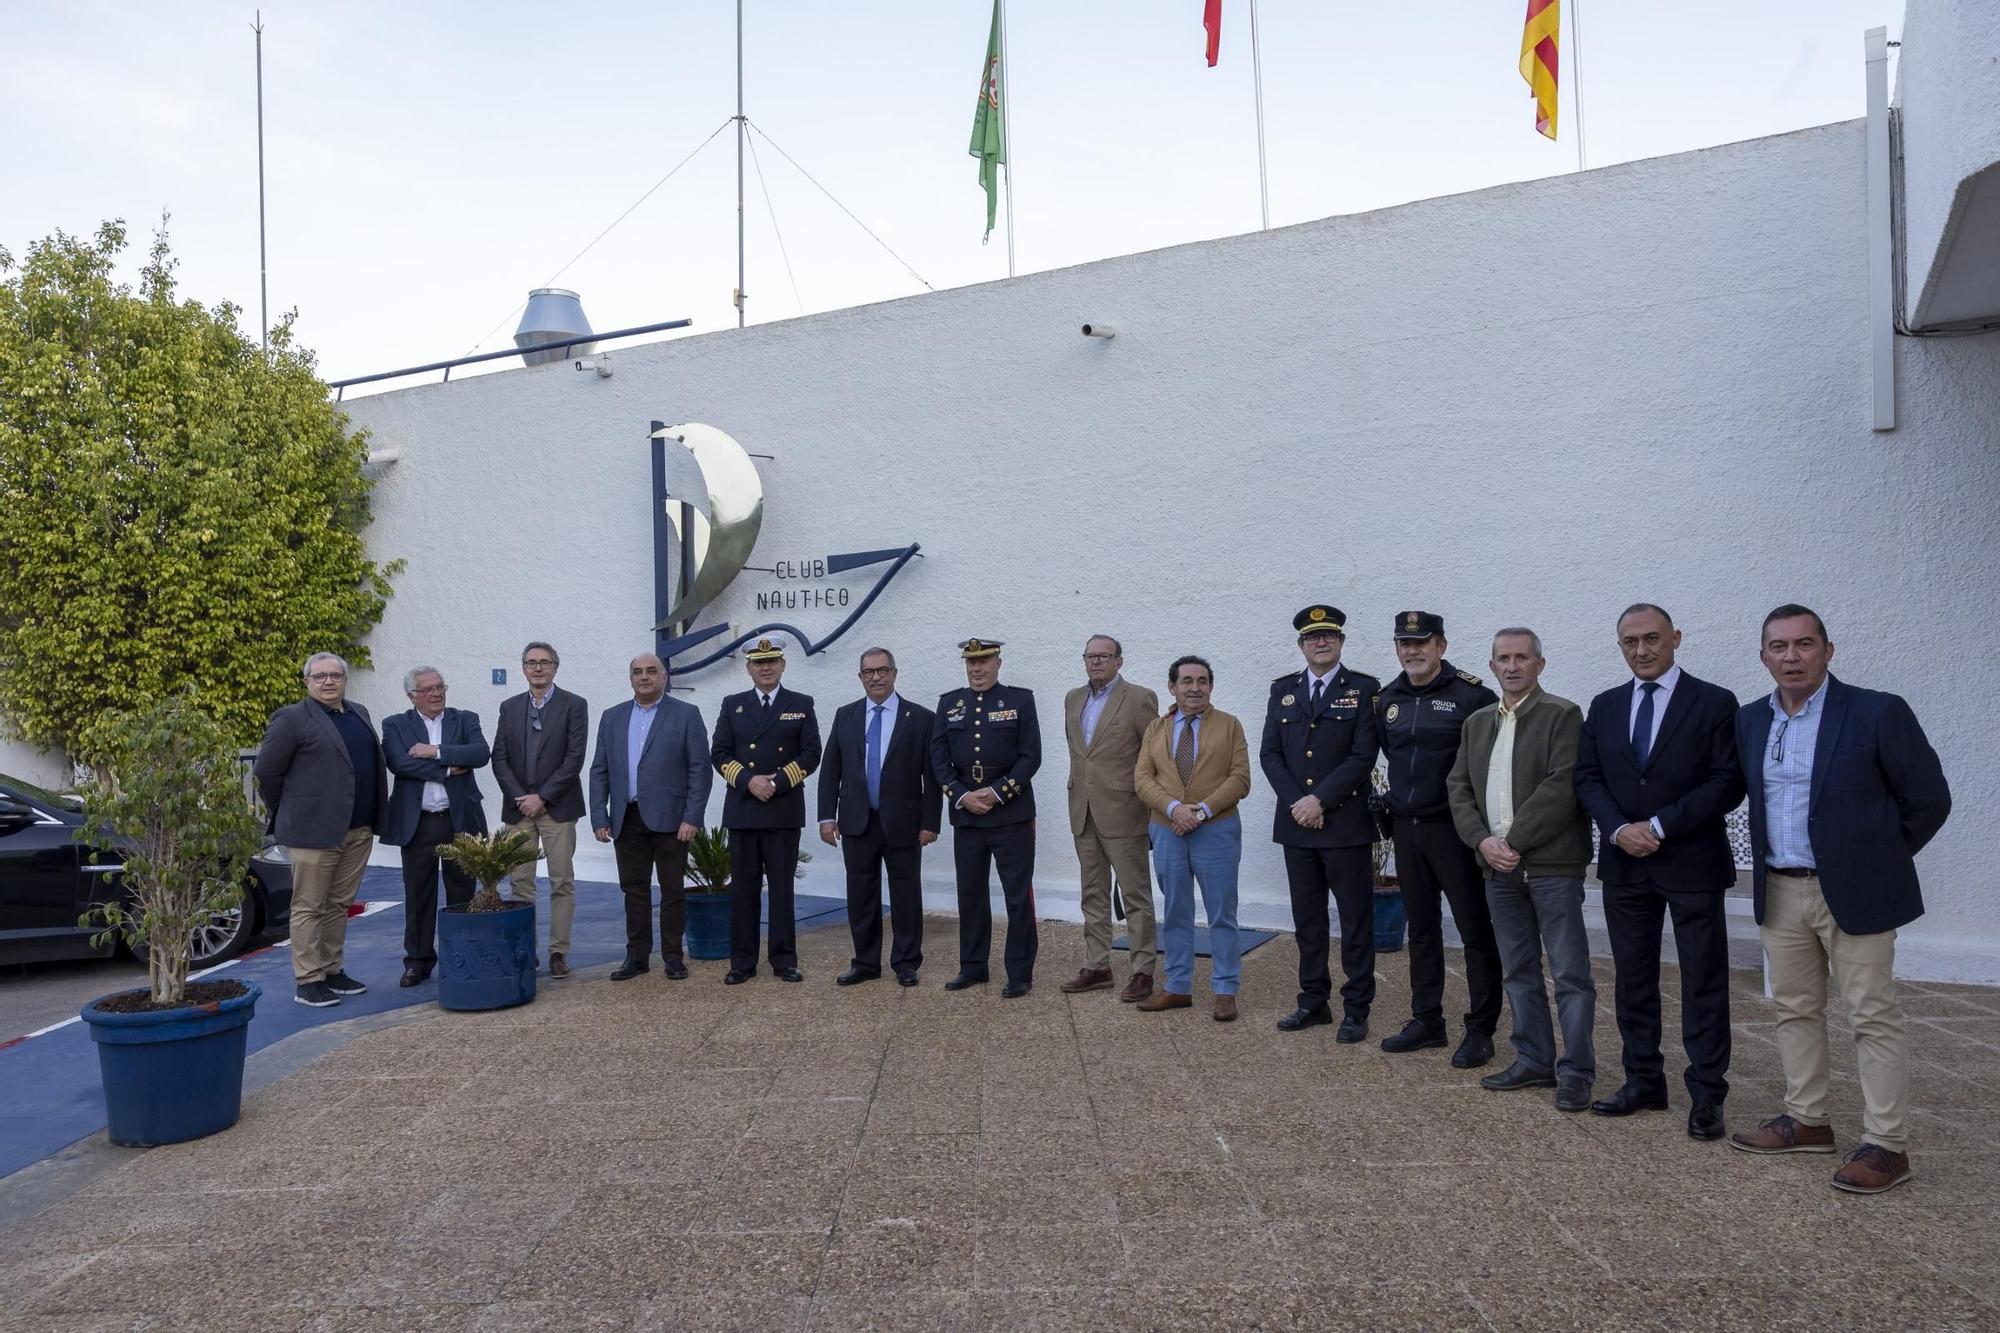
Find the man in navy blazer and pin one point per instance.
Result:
(1656, 771)
(432, 750)
(649, 783)
(1845, 790)
(880, 804)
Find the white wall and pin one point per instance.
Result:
(1532, 404)
(1948, 94)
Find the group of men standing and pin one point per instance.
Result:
(1489, 802)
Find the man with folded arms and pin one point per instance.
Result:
(1193, 770)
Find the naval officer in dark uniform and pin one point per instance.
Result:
(1318, 752)
(1421, 712)
(985, 747)
(766, 743)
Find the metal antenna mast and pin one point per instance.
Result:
(263, 268)
(741, 131)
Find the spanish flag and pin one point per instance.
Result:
(1538, 59)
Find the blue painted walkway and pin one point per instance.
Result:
(53, 1095)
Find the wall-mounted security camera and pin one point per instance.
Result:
(1099, 331)
(599, 363)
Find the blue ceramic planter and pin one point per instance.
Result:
(486, 960)
(1390, 919)
(172, 1074)
(708, 925)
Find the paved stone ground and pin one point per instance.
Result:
(681, 1155)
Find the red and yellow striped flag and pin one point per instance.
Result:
(1538, 59)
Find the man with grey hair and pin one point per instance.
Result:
(538, 752)
(321, 776)
(432, 750)
(1515, 804)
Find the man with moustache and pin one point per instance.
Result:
(879, 804)
(1318, 751)
(1656, 771)
(538, 749)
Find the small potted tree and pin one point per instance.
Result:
(708, 894)
(168, 799)
(1391, 917)
(486, 946)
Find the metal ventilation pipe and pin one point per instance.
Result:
(553, 313)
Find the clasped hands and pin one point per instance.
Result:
(979, 802)
(1637, 838)
(1308, 812)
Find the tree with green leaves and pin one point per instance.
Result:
(180, 509)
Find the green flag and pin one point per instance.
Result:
(988, 144)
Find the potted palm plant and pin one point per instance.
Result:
(708, 894)
(486, 946)
(167, 799)
(1391, 918)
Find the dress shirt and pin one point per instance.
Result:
(1181, 720)
(435, 798)
(1323, 683)
(1668, 679)
(1094, 700)
(1500, 769)
(637, 728)
(889, 707)
(1788, 781)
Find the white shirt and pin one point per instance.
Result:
(1666, 682)
(435, 798)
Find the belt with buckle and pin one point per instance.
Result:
(1792, 872)
(979, 772)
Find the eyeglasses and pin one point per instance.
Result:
(428, 689)
(327, 677)
(876, 673)
(1778, 741)
(537, 662)
(1096, 659)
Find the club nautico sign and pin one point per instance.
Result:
(708, 509)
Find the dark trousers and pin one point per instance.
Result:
(1435, 867)
(643, 852)
(974, 851)
(759, 857)
(421, 864)
(1633, 915)
(1349, 874)
(867, 855)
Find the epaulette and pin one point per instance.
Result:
(1288, 677)
(1469, 678)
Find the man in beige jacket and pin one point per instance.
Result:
(1105, 718)
(1194, 769)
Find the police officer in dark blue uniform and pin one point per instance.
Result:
(766, 743)
(1421, 712)
(1318, 752)
(985, 747)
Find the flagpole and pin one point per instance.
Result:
(1007, 131)
(1576, 72)
(1257, 78)
(263, 267)
(741, 131)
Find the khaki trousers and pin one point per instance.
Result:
(1127, 858)
(1803, 946)
(324, 882)
(557, 839)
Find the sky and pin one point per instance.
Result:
(427, 163)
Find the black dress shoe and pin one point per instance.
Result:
(854, 976)
(737, 976)
(1300, 1019)
(630, 968)
(1014, 990)
(1352, 1030)
(906, 978)
(1517, 1076)
(412, 976)
(963, 980)
(1572, 1092)
(675, 969)
(1474, 1051)
(1416, 1035)
(1630, 1098)
(790, 974)
(1705, 1122)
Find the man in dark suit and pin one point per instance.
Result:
(649, 781)
(432, 750)
(1845, 790)
(1656, 771)
(879, 803)
(1319, 748)
(766, 745)
(320, 772)
(538, 762)
(986, 744)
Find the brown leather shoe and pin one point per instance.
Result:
(1871, 1168)
(1165, 999)
(1783, 1134)
(1090, 978)
(1225, 1009)
(1138, 988)
(558, 965)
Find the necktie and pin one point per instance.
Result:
(1184, 753)
(1642, 725)
(875, 757)
(1318, 685)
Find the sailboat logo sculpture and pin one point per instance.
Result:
(711, 514)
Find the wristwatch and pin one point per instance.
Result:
(1200, 815)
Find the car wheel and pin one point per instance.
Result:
(220, 938)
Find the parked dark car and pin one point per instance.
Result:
(48, 880)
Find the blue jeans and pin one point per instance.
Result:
(1209, 856)
(1530, 915)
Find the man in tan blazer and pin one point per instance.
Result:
(1194, 769)
(1105, 718)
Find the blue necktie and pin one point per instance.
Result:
(875, 757)
(1642, 726)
